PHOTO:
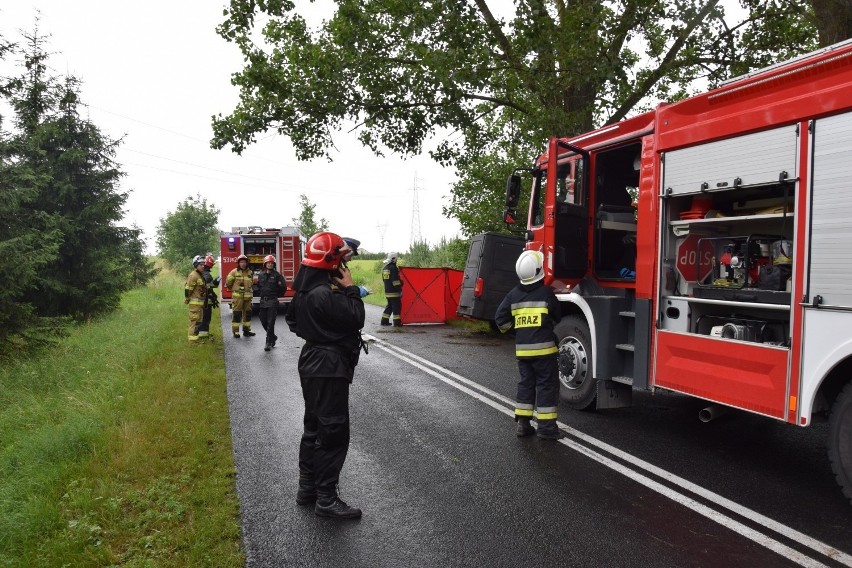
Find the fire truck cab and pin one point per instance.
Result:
(287, 245)
(705, 248)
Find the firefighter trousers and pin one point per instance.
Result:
(394, 307)
(325, 440)
(241, 315)
(538, 391)
(195, 315)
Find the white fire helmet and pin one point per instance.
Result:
(530, 266)
(392, 256)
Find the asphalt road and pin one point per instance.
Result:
(443, 481)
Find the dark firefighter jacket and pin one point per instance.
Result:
(270, 286)
(329, 320)
(532, 310)
(393, 285)
(212, 298)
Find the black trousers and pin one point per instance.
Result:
(267, 320)
(204, 324)
(394, 307)
(325, 440)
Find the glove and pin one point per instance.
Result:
(217, 280)
(186, 300)
(214, 300)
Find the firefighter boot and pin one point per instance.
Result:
(547, 430)
(237, 334)
(268, 347)
(524, 428)
(248, 332)
(336, 508)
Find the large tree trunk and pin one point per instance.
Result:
(833, 20)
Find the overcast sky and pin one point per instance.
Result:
(155, 72)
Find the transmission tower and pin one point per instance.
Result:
(382, 228)
(415, 215)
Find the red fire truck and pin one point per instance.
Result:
(705, 248)
(287, 246)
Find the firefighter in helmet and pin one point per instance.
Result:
(532, 309)
(328, 313)
(194, 295)
(239, 280)
(393, 291)
(212, 300)
(270, 287)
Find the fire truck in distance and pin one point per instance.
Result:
(705, 248)
(286, 244)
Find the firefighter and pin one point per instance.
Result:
(328, 313)
(393, 291)
(532, 309)
(212, 300)
(194, 294)
(240, 282)
(270, 286)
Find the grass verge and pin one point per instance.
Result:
(115, 447)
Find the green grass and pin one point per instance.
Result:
(369, 273)
(115, 446)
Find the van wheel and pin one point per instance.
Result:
(840, 440)
(577, 388)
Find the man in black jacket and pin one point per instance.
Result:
(328, 313)
(532, 309)
(270, 286)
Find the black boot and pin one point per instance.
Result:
(524, 428)
(306, 495)
(336, 508)
(547, 430)
(268, 347)
(249, 333)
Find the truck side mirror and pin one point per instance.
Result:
(509, 216)
(513, 191)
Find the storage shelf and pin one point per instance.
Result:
(725, 220)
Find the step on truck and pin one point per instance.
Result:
(704, 248)
(287, 245)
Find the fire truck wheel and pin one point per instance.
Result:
(840, 440)
(577, 388)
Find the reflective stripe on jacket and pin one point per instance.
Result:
(196, 288)
(390, 276)
(532, 310)
(239, 281)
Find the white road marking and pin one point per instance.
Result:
(506, 406)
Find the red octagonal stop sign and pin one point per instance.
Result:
(692, 264)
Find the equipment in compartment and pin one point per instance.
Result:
(770, 332)
(736, 262)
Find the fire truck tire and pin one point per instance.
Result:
(577, 388)
(840, 440)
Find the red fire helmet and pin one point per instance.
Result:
(324, 251)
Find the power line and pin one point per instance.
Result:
(415, 215)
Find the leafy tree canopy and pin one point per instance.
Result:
(188, 231)
(306, 221)
(404, 71)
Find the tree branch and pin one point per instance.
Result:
(664, 67)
